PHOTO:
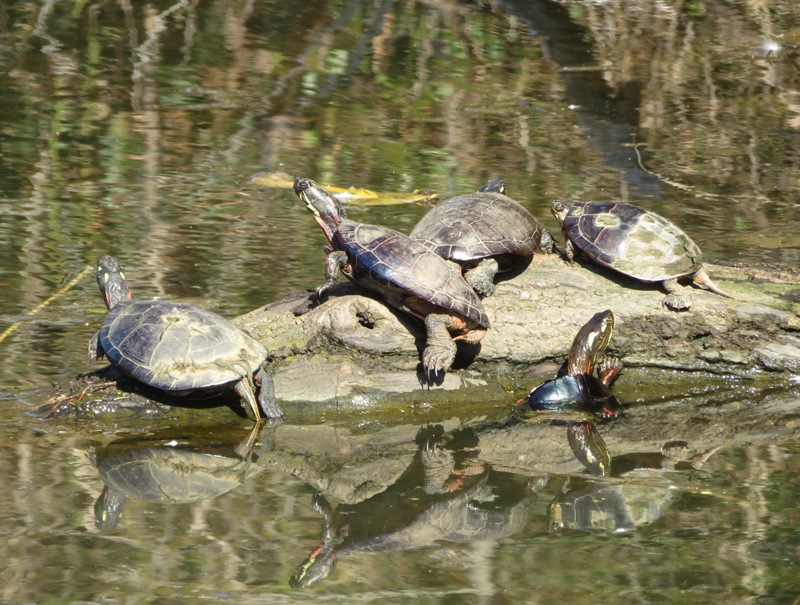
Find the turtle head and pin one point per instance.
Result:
(326, 209)
(559, 210)
(315, 568)
(590, 343)
(497, 185)
(112, 282)
(108, 508)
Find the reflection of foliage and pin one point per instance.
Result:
(720, 102)
(132, 127)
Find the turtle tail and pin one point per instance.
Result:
(702, 279)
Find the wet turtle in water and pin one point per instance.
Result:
(637, 243)
(577, 389)
(155, 469)
(403, 272)
(484, 232)
(179, 348)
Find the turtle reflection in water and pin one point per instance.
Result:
(179, 348)
(414, 513)
(173, 467)
(485, 233)
(577, 391)
(637, 243)
(640, 497)
(403, 272)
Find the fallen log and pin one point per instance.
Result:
(354, 350)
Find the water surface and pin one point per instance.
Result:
(134, 129)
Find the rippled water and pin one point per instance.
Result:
(134, 129)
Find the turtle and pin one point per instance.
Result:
(576, 389)
(485, 233)
(635, 242)
(179, 348)
(403, 272)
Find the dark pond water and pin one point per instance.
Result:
(134, 129)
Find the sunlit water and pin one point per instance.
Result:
(134, 129)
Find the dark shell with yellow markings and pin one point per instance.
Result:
(631, 240)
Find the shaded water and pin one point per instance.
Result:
(133, 129)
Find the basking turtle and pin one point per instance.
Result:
(637, 243)
(403, 272)
(577, 389)
(179, 348)
(484, 232)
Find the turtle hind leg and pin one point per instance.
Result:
(481, 277)
(702, 279)
(678, 298)
(266, 395)
(244, 388)
(335, 261)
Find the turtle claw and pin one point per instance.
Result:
(439, 358)
(678, 301)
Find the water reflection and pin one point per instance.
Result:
(427, 504)
(174, 466)
(639, 496)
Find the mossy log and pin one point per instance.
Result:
(354, 350)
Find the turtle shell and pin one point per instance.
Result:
(574, 393)
(479, 225)
(407, 274)
(631, 240)
(167, 474)
(178, 347)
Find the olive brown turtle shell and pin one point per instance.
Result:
(479, 225)
(178, 347)
(406, 273)
(636, 242)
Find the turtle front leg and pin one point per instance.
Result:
(678, 298)
(440, 350)
(481, 277)
(608, 370)
(334, 263)
(266, 395)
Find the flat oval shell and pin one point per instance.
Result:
(631, 240)
(178, 347)
(479, 225)
(399, 266)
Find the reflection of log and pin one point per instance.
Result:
(722, 374)
(354, 349)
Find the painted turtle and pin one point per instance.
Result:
(403, 272)
(577, 389)
(484, 232)
(637, 243)
(576, 383)
(179, 348)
